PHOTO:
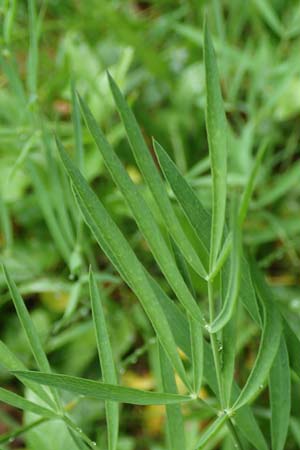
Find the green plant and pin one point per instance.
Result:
(190, 247)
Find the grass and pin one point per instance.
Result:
(149, 290)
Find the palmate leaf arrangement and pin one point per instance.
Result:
(206, 339)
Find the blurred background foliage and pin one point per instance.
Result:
(154, 51)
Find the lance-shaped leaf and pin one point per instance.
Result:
(105, 230)
(195, 212)
(154, 180)
(269, 343)
(22, 403)
(10, 362)
(280, 397)
(175, 428)
(211, 431)
(28, 327)
(234, 278)
(143, 216)
(217, 141)
(104, 391)
(106, 361)
(200, 220)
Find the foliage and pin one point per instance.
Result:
(136, 267)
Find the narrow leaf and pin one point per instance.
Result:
(22, 403)
(196, 214)
(10, 362)
(143, 216)
(28, 327)
(105, 230)
(106, 361)
(234, 279)
(154, 180)
(77, 129)
(211, 431)
(27, 324)
(268, 346)
(104, 391)
(217, 141)
(175, 429)
(280, 397)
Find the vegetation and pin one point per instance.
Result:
(149, 232)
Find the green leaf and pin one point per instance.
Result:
(232, 291)
(28, 327)
(280, 397)
(10, 362)
(118, 250)
(47, 210)
(268, 14)
(217, 141)
(27, 324)
(200, 221)
(106, 361)
(33, 53)
(19, 402)
(77, 129)
(250, 183)
(6, 227)
(175, 428)
(211, 431)
(196, 214)
(293, 345)
(143, 216)
(229, 337)
(154, 181)
(104, 391)
(269, 343)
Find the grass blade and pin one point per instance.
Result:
(153, 179)
(106, 231)
(280, 397)
(217, 136)
(106, 360)
(22, 403)
(104, 391)
(268, 346)
(143, 216)
(175, 429)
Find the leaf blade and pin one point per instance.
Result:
(216, 133)
(120, 252)
(280, 397)
(106, 360)
(104, 391)
(153, 179)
